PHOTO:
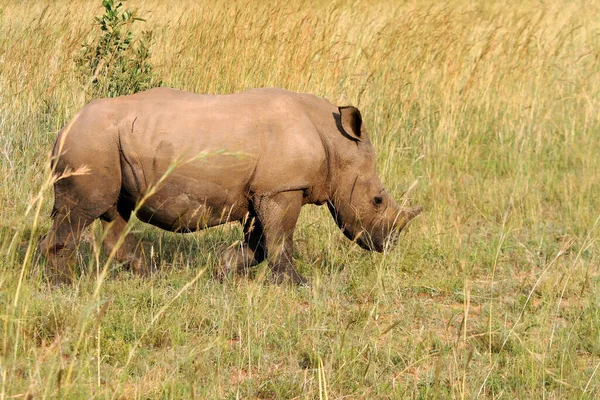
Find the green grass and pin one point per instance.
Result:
(488, 115)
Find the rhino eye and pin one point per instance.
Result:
(377, 200)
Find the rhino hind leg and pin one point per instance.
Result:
(120, 243)
(77, 203)
(60, 244)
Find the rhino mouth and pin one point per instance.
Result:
(368, 242)
(378, 239)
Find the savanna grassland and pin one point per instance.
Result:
(485, 113)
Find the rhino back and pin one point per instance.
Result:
(211, 154)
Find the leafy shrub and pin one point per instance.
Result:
(116, 63)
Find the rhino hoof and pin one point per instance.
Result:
(281, 278)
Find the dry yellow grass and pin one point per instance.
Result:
(492, 109)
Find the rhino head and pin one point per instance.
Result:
(358, 202)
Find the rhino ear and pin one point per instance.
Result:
(351, 122)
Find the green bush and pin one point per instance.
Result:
(116, 63)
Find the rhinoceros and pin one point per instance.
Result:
(185, 162)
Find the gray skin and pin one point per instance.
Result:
(185, 162)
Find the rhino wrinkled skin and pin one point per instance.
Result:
(185, 162)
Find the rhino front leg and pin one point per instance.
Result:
(278, 215)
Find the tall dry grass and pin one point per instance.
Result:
(491, 110)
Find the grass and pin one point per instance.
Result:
(486, 114)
